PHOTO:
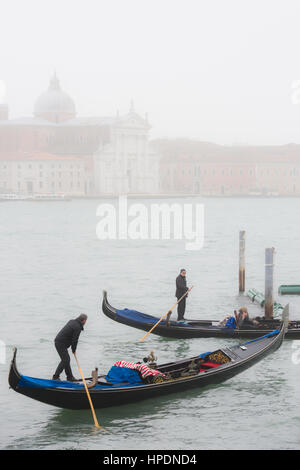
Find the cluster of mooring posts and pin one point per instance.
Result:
(268, 300)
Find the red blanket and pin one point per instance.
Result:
(144, 370)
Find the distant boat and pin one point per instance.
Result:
(34, 197)
(50, 197)
(12, 197)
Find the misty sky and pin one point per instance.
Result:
(217, 70)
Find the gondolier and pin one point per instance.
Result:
(181, 289)
(68, 337)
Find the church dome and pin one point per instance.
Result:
(54, 104)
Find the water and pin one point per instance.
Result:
(54, 267)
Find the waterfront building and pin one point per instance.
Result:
(42, 173)
(126, 164)
(191, 167)
(112, 154)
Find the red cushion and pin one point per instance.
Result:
(210, 364)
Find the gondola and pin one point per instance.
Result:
(194, 328)
(200, 371)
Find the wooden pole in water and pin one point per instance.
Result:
(242, 261)
(269, 282)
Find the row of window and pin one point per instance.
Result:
(231, 172)
(29, 166)
(59, 174)
(41, 184)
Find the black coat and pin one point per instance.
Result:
(69, 334)
(181, 287)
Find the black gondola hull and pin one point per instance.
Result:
(76, 399)
(197, 329)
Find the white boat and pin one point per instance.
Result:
(49, 197)
(12, 197)
(33, 197)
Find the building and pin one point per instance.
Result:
(191, 167)
(55, 150)
(42, 173)
(126, 164)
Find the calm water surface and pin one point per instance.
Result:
(54, 267)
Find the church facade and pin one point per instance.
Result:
(56, 151)
(125, 163)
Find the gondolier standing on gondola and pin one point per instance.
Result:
(181, 289)
(68, 336)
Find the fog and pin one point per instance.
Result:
(224, 72)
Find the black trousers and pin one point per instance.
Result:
(181, 308)
(65, 360)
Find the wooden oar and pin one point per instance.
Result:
(150, 331)
(88, 395)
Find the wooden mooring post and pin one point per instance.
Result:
(269, 282)
(242, 261)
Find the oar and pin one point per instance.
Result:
(150, 331)
(88, 395)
